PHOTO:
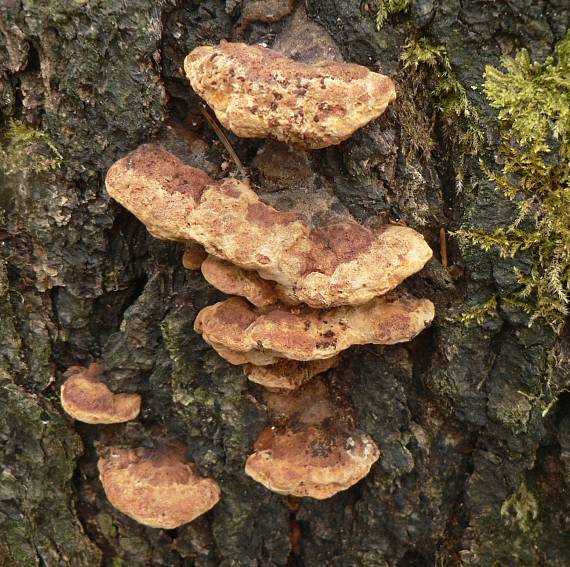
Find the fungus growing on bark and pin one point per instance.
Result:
(340, 264)
(288, 374)
(263, 337)
(316, 461)
(158, 488)
(194, 256)
(314, 449)
(85, 398)
(259, 93)
(233, 280)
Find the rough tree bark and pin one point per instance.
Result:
(471, 473)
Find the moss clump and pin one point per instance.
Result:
(533, 100)
(388, 7)
(428, 70)
(522, 508)
(479, 313)
(28, 149)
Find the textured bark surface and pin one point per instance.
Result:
(471, 472)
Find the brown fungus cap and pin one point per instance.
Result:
(157, 488)
(315, 460)
(258, 93)
(85, 398)
(233, 280)
(288, 374)
(342, 263)
(263, 337)
(194, 256)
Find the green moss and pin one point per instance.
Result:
(26, 148)
(533, 100)
(388, 7)
(106, 525)
(522, 509)
(427, 72)
(480, 312)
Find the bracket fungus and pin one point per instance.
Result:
(194, 256)
(258, 93)
(232, 280)
(85, 398)
(303, 294)
(288, 374)
(339, 264)
(316, 461)
(157, 488)
(314, 449)
(263, 337)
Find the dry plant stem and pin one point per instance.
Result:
(224, 139)
(443, 246)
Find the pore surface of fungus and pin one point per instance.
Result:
(85, 398)
(288, 374)
(158, 488)
(259, 93)
(262, 337)
(342, 263)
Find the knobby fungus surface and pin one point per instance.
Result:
(259, 93)
(263, 337)
(85, 398)
(340, 264)
(158, 488)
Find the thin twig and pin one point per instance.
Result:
(443, 246)
(224, 139)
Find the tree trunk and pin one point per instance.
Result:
(472, 471)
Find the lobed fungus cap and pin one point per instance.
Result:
(262, 337)
(259, 93)
(316, 461)
(340, 264)
(233, 280)
(85, 398)
(157, 488)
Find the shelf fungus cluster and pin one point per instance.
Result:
(156, 487)
(301, 294)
